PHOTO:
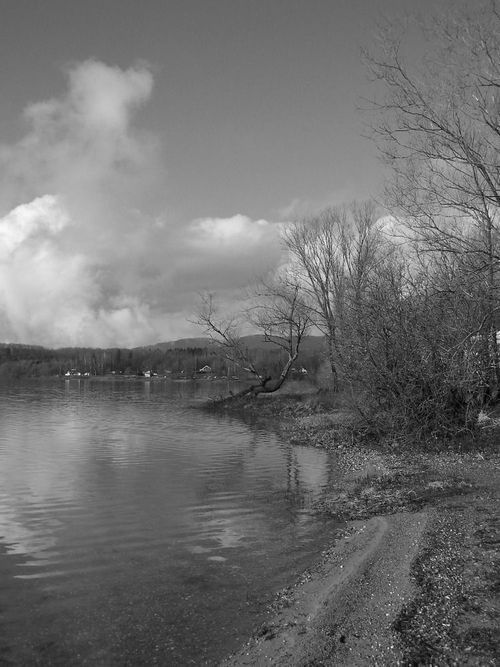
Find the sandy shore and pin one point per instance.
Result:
(343, 612)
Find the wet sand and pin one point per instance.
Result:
(343, 611)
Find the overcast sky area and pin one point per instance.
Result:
(150, 151)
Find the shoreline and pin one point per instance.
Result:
(334, 616)
(413, 577)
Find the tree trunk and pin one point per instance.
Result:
(266, 386)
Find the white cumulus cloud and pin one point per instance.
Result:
(86, 257)
(51, 296)
(236, 230)
(42, 215)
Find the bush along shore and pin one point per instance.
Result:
(413, 576)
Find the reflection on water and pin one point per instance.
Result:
(137, 530)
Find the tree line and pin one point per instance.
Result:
(17, 361)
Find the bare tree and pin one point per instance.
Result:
(278, 312)
(438, 129)
(333, 253)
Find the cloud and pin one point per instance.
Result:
(230, 252)
(43, 215)
(86, 257)
(226, 231)
(83, 140)
(51, 296)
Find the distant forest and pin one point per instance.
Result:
(176, 359)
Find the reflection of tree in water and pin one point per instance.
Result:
(292, 469)
(306, 476)
(298, 491)
(296, 495)
(273, 481)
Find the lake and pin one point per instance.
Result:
(137, 530)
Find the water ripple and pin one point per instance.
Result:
(120, 507)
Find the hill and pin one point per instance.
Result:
(254, 342)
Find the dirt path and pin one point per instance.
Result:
(343, 612)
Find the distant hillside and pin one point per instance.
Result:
(20, 346)
(183, 344)
(255, 342)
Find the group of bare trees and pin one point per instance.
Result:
(332, 255)
(408, 302)
(438, 130)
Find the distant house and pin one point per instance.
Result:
(205, 369)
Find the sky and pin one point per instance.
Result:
(152, 151)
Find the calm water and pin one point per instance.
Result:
(135, 530)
